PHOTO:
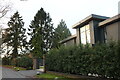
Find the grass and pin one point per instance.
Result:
(13, 67)
(52, 76)
(49, 76)
(19, 68)
(41, 67)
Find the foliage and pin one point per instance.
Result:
(15, 35)
(25, 62)
(61, 32)
(41, 32)
(102, 60)
(6, 60)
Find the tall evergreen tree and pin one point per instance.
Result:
(41, 32)
(61, 32)
(16, 37)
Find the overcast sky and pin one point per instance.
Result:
(72, 11)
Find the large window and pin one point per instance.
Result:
(85, 34)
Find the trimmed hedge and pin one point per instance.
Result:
(25, 62)
(6, 60)
(102, 60)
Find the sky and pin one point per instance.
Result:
(71, 11)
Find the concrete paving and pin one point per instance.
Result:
(29, 73)
(8, 73)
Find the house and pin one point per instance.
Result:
(69, 41)
(93, 29)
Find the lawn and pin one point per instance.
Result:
(52, 76)
(13, 67)
(41, 67)
(49, 76)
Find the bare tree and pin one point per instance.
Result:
(4, 8)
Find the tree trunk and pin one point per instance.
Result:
(35, 63)
(44, 69)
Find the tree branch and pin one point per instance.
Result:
(4, 10)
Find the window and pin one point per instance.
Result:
(85, 34)
(105, 35)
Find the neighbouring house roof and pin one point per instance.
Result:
(88, 19)
(110, 20)
(68, 39)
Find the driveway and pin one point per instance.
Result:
(8, 73)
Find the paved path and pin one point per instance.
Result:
(8, 73)
(28, 73)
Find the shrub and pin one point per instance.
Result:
(102, 59)
(6, 60)
(25, 62)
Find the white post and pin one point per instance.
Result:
(0, 53)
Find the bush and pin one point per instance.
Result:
(6, 60)
(25, 62)
(102, 59)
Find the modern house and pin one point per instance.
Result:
(93, 29)
(69, 41)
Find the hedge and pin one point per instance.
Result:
(6, 60)
(25, 62)
(102, 60)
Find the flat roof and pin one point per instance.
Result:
(68, 39)
(110, 20)
(88, 19)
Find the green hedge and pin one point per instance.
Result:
(25, 62)
(6, 60)
(102, 60)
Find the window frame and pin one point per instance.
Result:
(85, 30)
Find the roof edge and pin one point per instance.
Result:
(88, 18)
(67, 39)
(110, 20)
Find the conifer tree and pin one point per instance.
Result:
(15, 35)
(41, 31)
(61, 32)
